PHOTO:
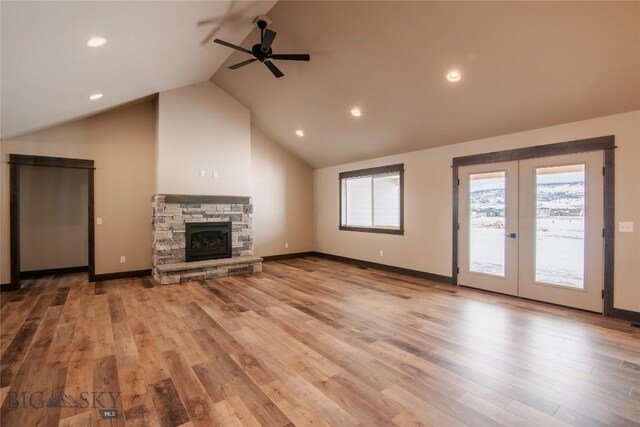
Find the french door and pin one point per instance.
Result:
(533, 228)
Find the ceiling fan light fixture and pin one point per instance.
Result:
(300, 133)
(96, 41)
(454, 76)
(356, 112)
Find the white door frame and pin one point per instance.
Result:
(507, 283)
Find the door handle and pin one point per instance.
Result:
(513, 235)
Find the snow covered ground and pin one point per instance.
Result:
(559, 249)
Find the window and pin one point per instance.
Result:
(371, 200)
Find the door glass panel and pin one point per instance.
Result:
(560, 225)
(487, 223)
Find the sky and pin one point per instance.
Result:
(554, 178)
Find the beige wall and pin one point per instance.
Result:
(426, 245)
(282, 190)
(121, 142)
(201, 127)
(53, 218)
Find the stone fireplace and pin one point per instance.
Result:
(202, 237)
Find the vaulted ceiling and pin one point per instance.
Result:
(48, 72)
(525, 65)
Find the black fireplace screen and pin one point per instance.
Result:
(207, 240)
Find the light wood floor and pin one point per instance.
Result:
(311, 342)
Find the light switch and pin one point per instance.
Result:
(625, 227)
(215, 174)
(98, 221)
(203, 173)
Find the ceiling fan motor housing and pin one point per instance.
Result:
(260, 55)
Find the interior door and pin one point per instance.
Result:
(488, 219)
(561, 249)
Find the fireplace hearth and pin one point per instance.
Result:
(207, 240)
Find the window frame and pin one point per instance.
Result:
(372, 172)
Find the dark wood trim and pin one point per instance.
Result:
(372, 171)
(372, 230)
(17, 160)
(605, 143)
(569, 147)
(385, 267)
(14, 223)
(609, 229)
(53, 162)
(339, 203)
(455, 226)
(287, 256)
(6, 287)
(34, 274)
(193, 199)
(120, 275)
(91, 232)
(398, 168)
(401, 201)
(620, 313)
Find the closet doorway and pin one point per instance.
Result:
(28, 228)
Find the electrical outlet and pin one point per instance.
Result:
(98, 221)
(625, 227)
(381, 253)
(123, 259)
(203, 173)
(286, 245)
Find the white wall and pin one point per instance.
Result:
(201, 127)
(426, 244)
(282, 190)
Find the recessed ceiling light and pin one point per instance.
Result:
(96, 41)
(454, 76)
(95, 96)
(300, 132)
(355, 112)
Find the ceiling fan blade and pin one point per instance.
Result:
(232, 46)
(241, 64)
(209, 21)
(210, 35)
(267, 40)
(292, 56)
(275, 70)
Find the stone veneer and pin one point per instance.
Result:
(172, 212)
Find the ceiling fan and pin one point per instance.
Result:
(262, 51)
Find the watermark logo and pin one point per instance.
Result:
(105, 401)
(62, 400)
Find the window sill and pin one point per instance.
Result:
(372, 230)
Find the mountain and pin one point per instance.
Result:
(557, 196)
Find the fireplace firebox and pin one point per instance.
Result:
(207, 240)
